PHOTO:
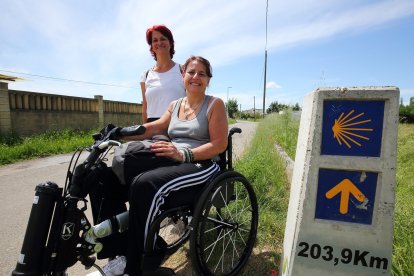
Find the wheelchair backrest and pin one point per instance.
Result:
(226, 157)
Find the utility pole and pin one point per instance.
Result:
(264, 85)
(254, 108)
(265, 69)
(227, 105)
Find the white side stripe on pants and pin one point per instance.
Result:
(175, 185)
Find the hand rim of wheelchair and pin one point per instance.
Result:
(209, 200)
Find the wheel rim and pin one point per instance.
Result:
(227, 227)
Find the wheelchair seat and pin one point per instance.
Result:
(221, 226)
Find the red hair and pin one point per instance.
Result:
(165, 32)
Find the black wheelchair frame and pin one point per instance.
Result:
(221, 227)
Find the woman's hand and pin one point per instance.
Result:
(167, 149)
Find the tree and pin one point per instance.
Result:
(275, 107)
(296, 107)
(407, 114)
(232, 108)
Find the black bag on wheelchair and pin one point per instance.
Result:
(132, 158)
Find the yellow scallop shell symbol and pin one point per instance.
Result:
(344, 129)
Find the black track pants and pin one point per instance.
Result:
(154, 190)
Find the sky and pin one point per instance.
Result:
(98, 47)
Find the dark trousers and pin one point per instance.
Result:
(170, 185)
(151, 191)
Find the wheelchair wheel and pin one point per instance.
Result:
(224, 226)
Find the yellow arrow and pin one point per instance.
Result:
(345, 187)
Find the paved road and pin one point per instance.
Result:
(17, 191)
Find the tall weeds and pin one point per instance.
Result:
(14, 148)
(263, 167)
(403, 246)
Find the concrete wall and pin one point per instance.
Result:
(5, 120)
(27, 113)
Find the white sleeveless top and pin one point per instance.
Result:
(161, 89)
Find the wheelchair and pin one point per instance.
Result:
(221, 227)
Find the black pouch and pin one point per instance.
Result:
(132, 158)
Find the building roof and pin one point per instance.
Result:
(9, 78)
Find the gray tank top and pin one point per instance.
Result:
(190, 133)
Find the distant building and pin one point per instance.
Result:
(252, 111)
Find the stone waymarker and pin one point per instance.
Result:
(341, 208)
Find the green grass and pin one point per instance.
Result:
(403, 251)
(284, 131)
(231, 121)
(14, 148)
(263, 167)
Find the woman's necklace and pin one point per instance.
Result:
(188, 113)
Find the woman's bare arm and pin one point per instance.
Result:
(144, 103)
(218, 128)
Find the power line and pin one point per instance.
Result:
(69, 80)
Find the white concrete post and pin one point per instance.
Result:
(341, 209)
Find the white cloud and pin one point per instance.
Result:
(105, 41)
(272, 85)
(331, 20)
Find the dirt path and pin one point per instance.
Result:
(242, 141)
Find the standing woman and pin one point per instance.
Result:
(163, 83)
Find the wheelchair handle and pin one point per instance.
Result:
(230, 146)
(235, 130)
(102, 143)
(108, 143)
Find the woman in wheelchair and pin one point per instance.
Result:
(197, 128)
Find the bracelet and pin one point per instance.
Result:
(190, 152)
(183, 154)
(187, 154)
